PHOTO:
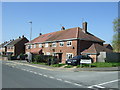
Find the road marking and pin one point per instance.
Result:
(31, 71)
(39, 74)
(32, 65)
(51, 77)
(35, 72)
(27, 70)
(67, 81)
(59, 79)
(77, 84)
(24, 69)
(45, 75)
(98, 85)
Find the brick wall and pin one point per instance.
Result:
(65, 49)
(20, 46)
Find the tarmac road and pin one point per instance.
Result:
(15, 75)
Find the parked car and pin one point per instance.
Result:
(76, 60)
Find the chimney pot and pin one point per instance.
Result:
(23, 36)
(40, 34)
(63, 28)
(19, 37)
(84, 27)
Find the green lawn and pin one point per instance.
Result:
(57, 65)
(68, 66)
(101, 64)
(39, 63)
(98, 64)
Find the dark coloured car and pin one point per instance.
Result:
(76, 60)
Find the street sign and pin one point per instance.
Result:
(87, 61)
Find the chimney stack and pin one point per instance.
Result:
(23, 36)
(63, 28)
(84, 26)
(40, 34)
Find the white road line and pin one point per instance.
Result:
(51, 77)
(98, 85)
(109, 82)
(76, 84)
(59, 79)
(24, 69)
(39, 74)
(35, 72)
(45, 75)
(31, 71)
(27, 70)
(67, 81)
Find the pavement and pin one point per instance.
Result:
(65, 69)
(20, 74)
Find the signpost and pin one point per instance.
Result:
(85, 61)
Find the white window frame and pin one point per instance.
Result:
(34, 45)
(68, 55)
(46, 44)
(54, 44)
(61, 43)
(31, 46)
(47, 53)
(69, 43)
(40, 45)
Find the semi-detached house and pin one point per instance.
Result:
(65, 43)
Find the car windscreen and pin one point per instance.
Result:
(85, 57)
(77, 57)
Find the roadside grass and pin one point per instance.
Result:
(68, 66)
(39, 63)
(57, 65)
(54, 65)
(100, 64)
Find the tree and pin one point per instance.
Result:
(116, 36)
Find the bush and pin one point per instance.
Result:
(37, 58)
(45, 59)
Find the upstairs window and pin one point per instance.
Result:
(40, 45)
(69, 43)
(61, 44)
(34, 45)
(30, 46)
(46, 44)
(53, 44)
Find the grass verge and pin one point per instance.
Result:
(57, 65)
(68, 66)
(39, 63)
(100, 64)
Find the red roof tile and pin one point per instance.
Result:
(36, 50)
(72, 33)
(96, 48)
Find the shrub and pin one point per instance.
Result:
(37, 58)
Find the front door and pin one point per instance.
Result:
(60, 57)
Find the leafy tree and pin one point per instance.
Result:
(116, 36)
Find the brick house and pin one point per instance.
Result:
(3, 47)
(64, 44)
(16, 47)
